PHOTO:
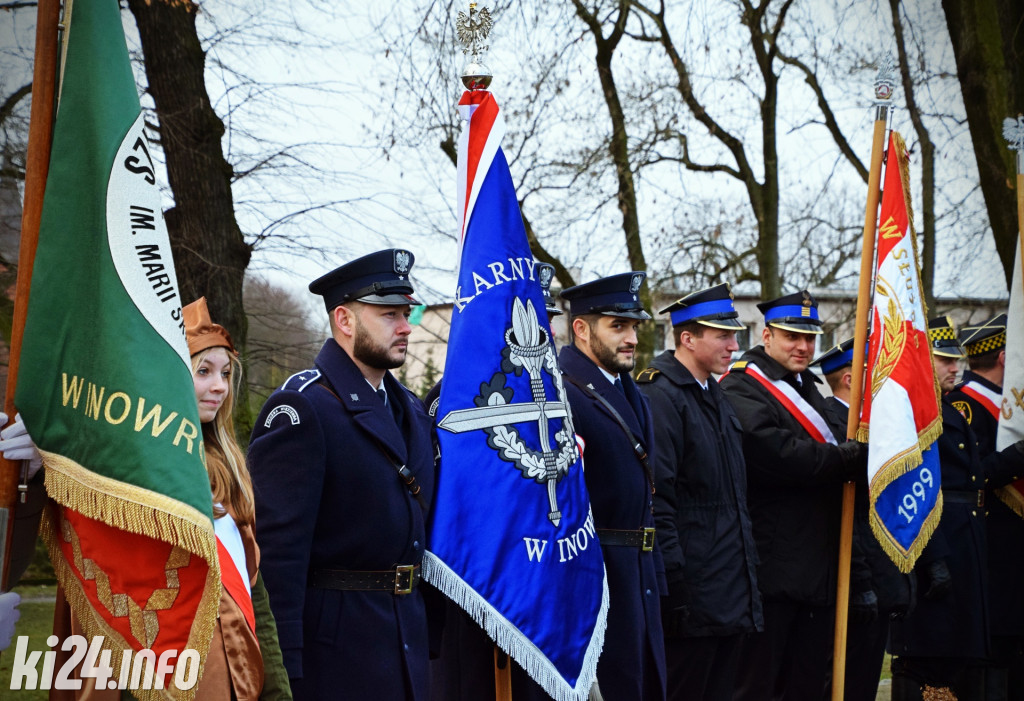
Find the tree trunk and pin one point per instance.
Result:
(210, 253)
(988, 43)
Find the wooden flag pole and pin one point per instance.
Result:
(1020, 189)
(502, 676)
(883, 94)
(37, 162)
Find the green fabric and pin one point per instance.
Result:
(275, 676)
(105, 379)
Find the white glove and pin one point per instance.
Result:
(16, 444)
(9, 615)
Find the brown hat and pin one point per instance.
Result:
(201, 332)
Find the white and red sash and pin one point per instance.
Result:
(802, 411)
(233, 572)
(984, 396)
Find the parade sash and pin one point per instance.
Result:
(984, 396)
(106, 391)
(901, 417)
(511, 538)
(234, 574)
(801, 410)
(1011, 415)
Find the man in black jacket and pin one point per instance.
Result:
(795, 471)
(948, 631)
(978, 396)
(700, 500)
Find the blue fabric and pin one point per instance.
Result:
(790, 310)
(497, 546)
(904, 505)
(716, 306)
(841, 360)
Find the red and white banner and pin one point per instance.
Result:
(901, 416)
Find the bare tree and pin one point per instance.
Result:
(988, 42)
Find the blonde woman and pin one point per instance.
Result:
(244, 650)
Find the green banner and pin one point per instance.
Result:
(105, 386)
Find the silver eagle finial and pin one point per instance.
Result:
(472, 29)
(1013, 131)
(885, 81)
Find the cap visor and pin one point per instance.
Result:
(638, 314)
(389, 300)
(727, 324)
(796, 328)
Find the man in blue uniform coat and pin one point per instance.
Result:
(978, 396)
(342, 462)
(948, 631)
(795, 470)
(614, 421)
(700, 500)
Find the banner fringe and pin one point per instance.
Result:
(905, 559)
(128, 507)
(199, 638)
(511, 640)
(1012, 498)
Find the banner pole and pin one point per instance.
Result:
(883, 95)
(502, 676)
(37, 163)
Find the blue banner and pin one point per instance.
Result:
(511, 537)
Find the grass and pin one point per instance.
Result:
(36, 622)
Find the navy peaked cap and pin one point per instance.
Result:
(377, 278)
(616, 295)
(795, 312)
(835, 358)
(710, 307)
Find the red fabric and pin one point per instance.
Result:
(915, 360)
(982, 399)
(232, 580)
(480, 128)
(135, 565)
(790, 407)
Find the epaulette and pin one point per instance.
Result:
(301, 380)
(648, 375)
(738, 366)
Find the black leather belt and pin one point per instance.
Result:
(642, 538)
(973, 497)
(401, 580)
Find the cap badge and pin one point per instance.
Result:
(401, 262)
(545, 276)
(635, 282)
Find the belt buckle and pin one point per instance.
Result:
(648, 542)
(407, 571)
(981, 498)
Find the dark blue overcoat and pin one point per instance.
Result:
(1005, 528)
(632, 665)
(323, 458)
(957, 624)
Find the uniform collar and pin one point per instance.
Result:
(969, 376)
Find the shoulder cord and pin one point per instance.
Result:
(407, 477)
(638, 447)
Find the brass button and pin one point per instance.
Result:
(973, 478)
(974, 513)
(961, 446)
